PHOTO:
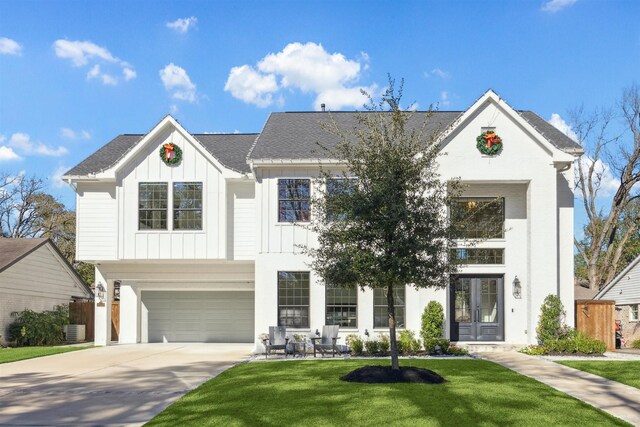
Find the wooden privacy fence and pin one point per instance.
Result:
(596, 319)
(83, 313)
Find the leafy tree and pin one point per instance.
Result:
(384, 224)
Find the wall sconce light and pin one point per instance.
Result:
(100, 292)
(366, 332)
(517, 288)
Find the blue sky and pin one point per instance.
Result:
(74, 74)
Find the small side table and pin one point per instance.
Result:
(299, 348)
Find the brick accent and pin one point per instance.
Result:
(630, 329)
(14, 302)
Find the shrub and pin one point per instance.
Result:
(580, 344)
(432, 321)
(407, 343)
(372, 347)
(534, 350)
(436, 345)
(636, 344)
(456, 351)
(384, 344)
(45, 328)
(551, 322)
(355, 343)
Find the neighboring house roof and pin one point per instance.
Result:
(296, 135)
(14, 250)
(580, 292)
(630, 272)
(230, 149)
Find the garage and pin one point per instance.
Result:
(194, 316)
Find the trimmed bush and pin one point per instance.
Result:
(551, 322)
(636, 344)
(356, 344)
(407, 343)
(456, 351)
(372, 347)
(580, 344)
(31, 328)
(534, 350)
(436, 345)
(432, 322)
(384, 344)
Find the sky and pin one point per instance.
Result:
(75, 74)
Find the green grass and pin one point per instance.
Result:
(21, 353)
(625, 372)
(310, 393)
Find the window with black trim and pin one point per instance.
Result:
(341, 306)
(337, 190)
(478, 255)
(293, 299)
(380, 312)
(187, 206)
(294, 196)
(478, 218)
(152, 206)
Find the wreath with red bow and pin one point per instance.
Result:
(170, 154)
(489, 143)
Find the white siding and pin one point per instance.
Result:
(97, 222)
(241, 220)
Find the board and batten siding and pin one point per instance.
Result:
(208, 243)
(96, 222)
(627, 289)
(241, 220)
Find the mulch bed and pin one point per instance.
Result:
(386, 375)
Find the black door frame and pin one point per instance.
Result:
(454, 334)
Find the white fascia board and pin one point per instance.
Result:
(293, 162)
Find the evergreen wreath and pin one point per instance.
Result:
(170, 154)
(489, 143)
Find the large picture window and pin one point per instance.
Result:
(478, 218)
(187, 206)
(293, 299)
(341, 306)
(380, 314)
(152, 206)
(294, 200)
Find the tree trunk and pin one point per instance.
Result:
(391, 310)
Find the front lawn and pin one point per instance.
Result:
(21, 353)
(625, 372)
(310, 393)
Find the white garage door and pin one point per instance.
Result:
(199, 316)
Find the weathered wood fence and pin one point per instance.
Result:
(115, 320)
(83, 313)
(596, 319)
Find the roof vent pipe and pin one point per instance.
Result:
(322, 107)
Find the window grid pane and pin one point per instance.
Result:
(478, 217)
(187, 206)
(380, 316)
(478, 256)
(341, 306)
(294, 200)
(152, 205)
(293, 299)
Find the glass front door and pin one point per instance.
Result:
(477, 309)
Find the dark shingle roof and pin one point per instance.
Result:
(296, 135)
(230, 149)
(549, 131)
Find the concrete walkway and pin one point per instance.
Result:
(619, 400)
(115, 385)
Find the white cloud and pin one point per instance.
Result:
(308, 68)
(336, 99)
(553, 6)
(69, 133)
(173, 109)
(83, 53)
(22, 142)
(603, 177)
(438, 73)
(250, 86)
(444, 99)
(7, 154)
(176, 80)
(9, 47)
(563, 126)
(56, 177)
(182, 25)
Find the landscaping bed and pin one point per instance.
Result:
(307, 392)
(8, 355)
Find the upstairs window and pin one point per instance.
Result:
(294, 200)
(187, 206)
(337, 190)
(478, 255)
(478, 218)
(152, 206)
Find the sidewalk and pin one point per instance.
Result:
(617, 399)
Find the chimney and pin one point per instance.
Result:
(322, 107)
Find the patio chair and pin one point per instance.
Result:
(278, 340)
(328, 342)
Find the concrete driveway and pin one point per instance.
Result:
(115, 385)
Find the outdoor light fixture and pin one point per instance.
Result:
(517, 288)
(317, 333)
(366, 332)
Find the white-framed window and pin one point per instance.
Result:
(187, 206)
(153, 206)
(633, 312)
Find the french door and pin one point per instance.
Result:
(477, 308)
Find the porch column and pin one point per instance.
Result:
(103, 299)
(129, 313)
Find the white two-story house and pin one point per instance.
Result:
(203, 233)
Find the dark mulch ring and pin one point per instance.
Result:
(385, 375)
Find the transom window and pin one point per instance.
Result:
(477, 218)
(187, 206)
(478, 255)
(152, 206)
(633, 312)
(294, 200)
(293, 299)
(380, 313)
(341, 306)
